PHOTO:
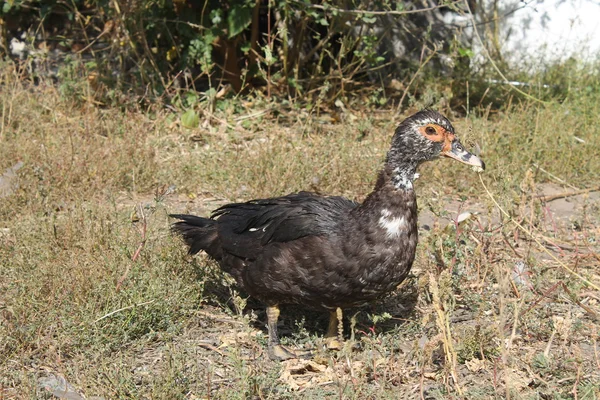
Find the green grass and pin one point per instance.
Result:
(74, 303)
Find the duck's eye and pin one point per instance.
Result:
(430, 130)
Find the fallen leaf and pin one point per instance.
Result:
(475, 365)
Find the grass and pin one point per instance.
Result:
(95, 290)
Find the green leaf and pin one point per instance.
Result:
(191, 98)
(269, 58)
(6, 7)
(465, 52)
(238, 19)
(369, 18)
(190, 119)
(210, 94)
(216, 17)
(246, 47)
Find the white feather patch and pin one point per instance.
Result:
(401, 180)
(393, 226)
(260, 228)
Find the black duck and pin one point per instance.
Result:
(328, 252)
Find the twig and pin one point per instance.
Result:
(576, 383)
(511, 246)
(538, 377)
(224, 122)
(138, 250)
(122, 309)
(523, 3)
(549, 345)
(580, 304)
(421, 385)
(107, 29)
(513, 333)
(546, 294)
(589, 294)
(528, 233)
(487, 54)
(225, 319)
(443, 324)
(554, 177)
(542, 296)
(549, 242)
(421, 65)
(252, 116)
(550, 197)
(367, 12)
(209, 346)
(594, 342)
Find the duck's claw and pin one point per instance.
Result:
(279, 353)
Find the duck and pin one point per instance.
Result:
(327, 252)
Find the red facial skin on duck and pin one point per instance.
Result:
(436, 133)
(451, 145)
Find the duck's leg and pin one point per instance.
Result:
(335, 332)
(275, 349)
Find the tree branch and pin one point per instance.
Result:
(366, 12)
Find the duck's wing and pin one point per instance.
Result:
(244, 229)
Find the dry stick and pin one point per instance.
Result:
(528, 233)
(209, 346)
(366, 12)
(253, 115)
(547, 293)
(139, 249)
(536, 166)
(421, 65)
(421, 381)
(549, 345)
(513, 333)
(576, 383)
(2, 124)
(594, 254)
(443, 324)
(596, 348)
(550, 197)
(123, 309)
(487, 54)
(580, 304)
(7, 116)
(107, 28)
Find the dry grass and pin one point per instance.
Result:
(94, 289)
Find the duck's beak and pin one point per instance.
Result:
(458, 152)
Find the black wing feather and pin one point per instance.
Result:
(244, 228)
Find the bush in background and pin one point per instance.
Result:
(300, 48)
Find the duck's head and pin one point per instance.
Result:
(425, 136)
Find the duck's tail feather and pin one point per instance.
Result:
(199, 234)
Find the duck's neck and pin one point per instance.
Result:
(403, 176)
(393, 184)
(386, 224)
(392, 205)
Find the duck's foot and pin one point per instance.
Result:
(334, 339)
(275, 350)
(279, 353)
